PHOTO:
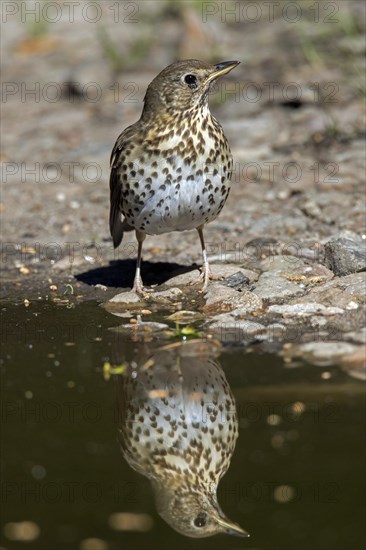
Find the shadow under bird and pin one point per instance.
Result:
(177, 425)
(171, 170)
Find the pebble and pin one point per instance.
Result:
(237, 280)
(231, 330)
(166, 295)
(142, 326)
(326, 353)
(220, 298)
(345, 256)
(184, 316)
(222, 271)
(126, 298)
(273, 288)
(355, 363)
(101, 287)
(304, 310)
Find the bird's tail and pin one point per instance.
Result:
(115, 225)
(118, 227)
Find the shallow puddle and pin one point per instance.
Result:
(295, 479)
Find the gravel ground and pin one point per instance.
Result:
(290, 242)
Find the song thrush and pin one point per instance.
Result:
(178, 426)
(171, 170)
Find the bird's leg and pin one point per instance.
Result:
(137, 283)
(206, 273)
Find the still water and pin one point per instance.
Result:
(76, 474)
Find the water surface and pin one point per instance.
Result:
(296, 479)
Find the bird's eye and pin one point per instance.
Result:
(201, 519)
(191, 80)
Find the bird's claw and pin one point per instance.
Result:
(140, 289)
(205, 276)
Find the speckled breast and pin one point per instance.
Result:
(177, 181)
(177, 416)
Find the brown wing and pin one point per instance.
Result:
(116, 225)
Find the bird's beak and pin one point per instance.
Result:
(222, 68)
(232, 528)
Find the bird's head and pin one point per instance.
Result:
(184, 85)
(194, 513)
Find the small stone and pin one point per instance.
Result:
(311, 209)
(355, 363)
(141, 326)
(273, 288)
(100, 286)
(184, 317)
(344, 256)
(304, 309)
(125, 298)
(166, 295)
(220, 298)
(218, 270)
(326, 353)
(275, 332)
(225, 271)
(230, 330)
(237, 280)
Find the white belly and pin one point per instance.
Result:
(179, 209)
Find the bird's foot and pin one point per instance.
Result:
(139, 288)
(204, 277)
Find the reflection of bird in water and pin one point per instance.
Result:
(178, 427)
